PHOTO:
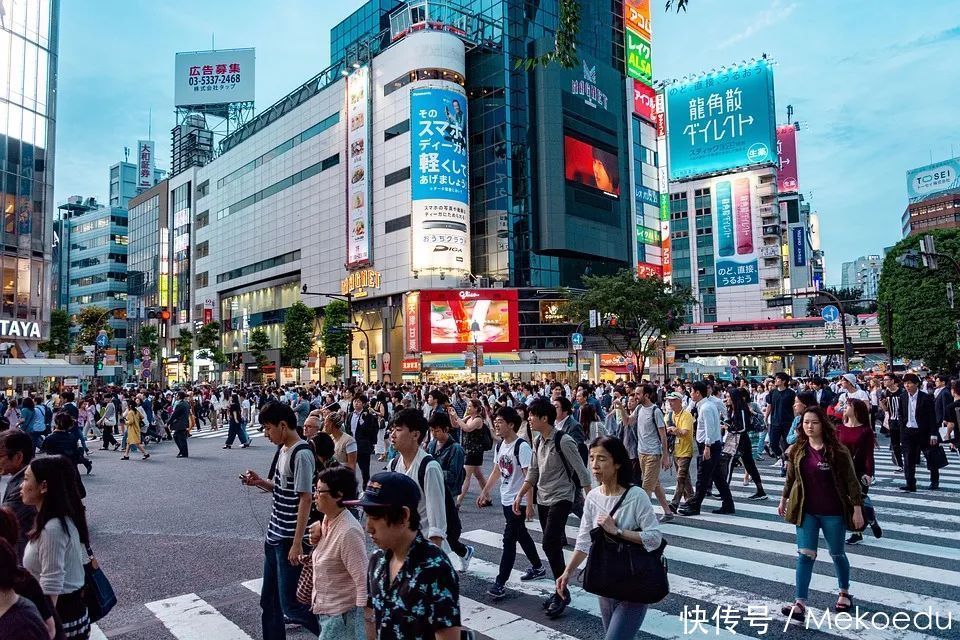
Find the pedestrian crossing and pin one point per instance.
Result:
(729, 575)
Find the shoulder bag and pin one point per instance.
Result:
(624, 570)
(98, 595)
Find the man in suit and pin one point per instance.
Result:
(179, 423)
(365, 426)
(919, 432)
(16, 452)
(942, 398)
(825, 395)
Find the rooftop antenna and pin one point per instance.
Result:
(150, 123)
(212, 45)
(789, 114)
(126, 154)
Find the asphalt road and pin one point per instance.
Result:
(185, 530)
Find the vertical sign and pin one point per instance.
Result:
(439, 180)
(636, 15)
(639, 59)
(411, 322)
(145, 164)
(644, 101)
(787, 179)
(660, 119)
(799, 247)
(735, 250)
(358, 169)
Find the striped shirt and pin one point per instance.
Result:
(287, 490)
(340, 559)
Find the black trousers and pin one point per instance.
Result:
(896, 445)
(745, 454)
(514, 531)
(711, 470)
(180, 438)
(553, 522)
(364, 449)
(108, 439)
(912, 445)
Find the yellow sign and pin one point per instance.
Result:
(358, 282)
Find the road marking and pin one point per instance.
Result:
(189, 617)
(874, 496)
(96, 633)
(503, 625)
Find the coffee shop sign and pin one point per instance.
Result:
(19, 329)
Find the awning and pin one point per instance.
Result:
(46, 368)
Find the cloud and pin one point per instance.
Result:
(766, 19)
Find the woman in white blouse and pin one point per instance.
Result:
(634, 521)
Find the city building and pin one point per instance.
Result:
(92, 263)
(448, 193)
(862, 273)
(29, 34)
(125, 183)
(933, 198)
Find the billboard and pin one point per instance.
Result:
(145, 164)
(722, 121)
(636, 15)
(734, 223)
(799, 241)
(589, 166)
(933, 178)
(787, 180)
(411, 322)
(439, 179)
(358, 169)
(644, 101)
(639, 56)
(213, 77)
(451, 318)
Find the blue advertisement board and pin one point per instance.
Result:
(439, 138)
(722, 121)
(799, 247)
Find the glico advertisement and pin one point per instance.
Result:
(735, 244)
(722, 121)
(439, 180)
(451, 319)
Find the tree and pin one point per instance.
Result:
(89, 322)
(635, 312)
(149, 339)
(336, 341)
(259, 343)
(59, 341)
(208, 343)
(185, 349)
(850, 297)
(924, 325)
(298, 334)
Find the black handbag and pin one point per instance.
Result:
(98, 594)
(936, 457)
(624, 570)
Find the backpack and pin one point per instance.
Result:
(578, 493)
(314, 513)
(47, 418)
(516, 449)
(454, 526)
(756, 422)
(486, 437)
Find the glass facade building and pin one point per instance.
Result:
(28, 67)
(148, 268)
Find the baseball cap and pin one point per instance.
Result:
(674, 396)
(389, 489)
(849, 377)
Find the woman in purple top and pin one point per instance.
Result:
(821, 493)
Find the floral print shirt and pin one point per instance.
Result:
(422, 598)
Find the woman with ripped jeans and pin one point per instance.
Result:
(821, 493)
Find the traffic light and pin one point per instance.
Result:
(570, 362)
(164, 314)
(158, 313)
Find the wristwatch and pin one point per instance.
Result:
(619, 532)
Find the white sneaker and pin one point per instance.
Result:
(776, 464)
(746, 482)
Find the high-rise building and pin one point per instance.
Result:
(862, 273)
(124, 184)
(29, 34)
(933, 198)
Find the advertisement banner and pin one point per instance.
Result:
(639, 57)
(722, 121)
(213, 77)
(734, 246)
(933, 178)
(646, 235)
(644, 101)
(358, 169)
(649, 270)
(799, 247)
(439, 180)
(636, 15)
(551, 312)
(787, 179)
(411, 322)
(145, 164)
(591, 166)
(451, 320)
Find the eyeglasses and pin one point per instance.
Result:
(323, 491)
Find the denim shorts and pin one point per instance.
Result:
(345, 626)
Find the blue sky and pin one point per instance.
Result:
(875, 84)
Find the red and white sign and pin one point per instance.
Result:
(452, 319)
(644, 101)
(213, 77)
(649, 270)
(410, 365)
(661, 117)
(145, 164)
(787, 179)
(616, 361)
(411, 322)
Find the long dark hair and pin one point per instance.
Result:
(588, 415)
(617, 451)
(831, 443)
(62, 499)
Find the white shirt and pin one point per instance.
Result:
(912, 410)
(708, 422)
(511, 476)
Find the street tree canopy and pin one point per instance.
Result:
(634, 312)
(59, 341)
(335, 339)
(298, 334)
(259, 343)
(924, 325)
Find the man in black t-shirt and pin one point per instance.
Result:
(780, 412)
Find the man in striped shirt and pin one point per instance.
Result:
(291, 482)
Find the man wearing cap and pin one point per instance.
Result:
(412, 589)
(849, 390)
(680, 425)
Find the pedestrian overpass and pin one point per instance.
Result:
(804, 340)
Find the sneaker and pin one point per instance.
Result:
(465, 560)
(855, 538)
(667, 517)
(776, 464)
(533, 573)
(760, 495)
(877, 531)
(746, 482)
(496, 591)
(673, 507)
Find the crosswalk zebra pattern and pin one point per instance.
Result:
(729, 576)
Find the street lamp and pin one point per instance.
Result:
(348, 298)
(475, 330)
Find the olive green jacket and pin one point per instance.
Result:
(844, 478)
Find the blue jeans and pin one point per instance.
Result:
(808, 534)
(278, 596)
(346, 626)
(236, 430)
(621, 619)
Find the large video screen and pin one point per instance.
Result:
(450, 320)
(592, 167)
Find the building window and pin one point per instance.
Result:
(277, 187)
(203, 249)
(421, 74)
(332, 161)
(396, 177)
(403, 222)
(203, 219)
(256, 267)
(396, 130)
(201, 279)
(203, 189)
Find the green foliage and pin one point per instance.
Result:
(298, 334)
(635, 311)
(924, 325)
(335, 340)
(209, 343)
(681, 4)
(185, 349)
(258, 345)
(59, 341)
(149, 338)
(849, 297)
(335, 371)
(90, 321)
